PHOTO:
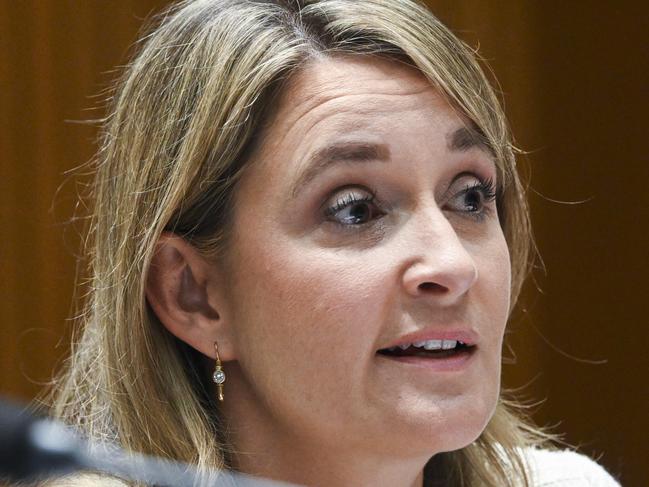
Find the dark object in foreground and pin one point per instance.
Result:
(33, 448)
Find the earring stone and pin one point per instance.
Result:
(218, 377)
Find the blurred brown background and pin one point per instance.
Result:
(574, 77)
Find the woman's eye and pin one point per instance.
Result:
(474, 199)
(353, 209)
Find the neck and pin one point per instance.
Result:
(303, 468)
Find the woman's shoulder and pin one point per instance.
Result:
(84, 480)
(554, 468)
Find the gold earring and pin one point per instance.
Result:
(218, 376)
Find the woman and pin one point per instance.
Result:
(308, 234)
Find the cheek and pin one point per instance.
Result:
(497, 272)
(305, 309)
(493, 292)
(494, 267)
(503, 272)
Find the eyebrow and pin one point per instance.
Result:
(461, 140)
(467, 138)
(340, 153)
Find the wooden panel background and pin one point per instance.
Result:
(574, 80)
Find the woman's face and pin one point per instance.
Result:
(365, 220)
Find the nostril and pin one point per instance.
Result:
(432, 287)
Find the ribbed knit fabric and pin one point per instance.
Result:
(567, 468)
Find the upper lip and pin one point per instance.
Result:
(465, 335)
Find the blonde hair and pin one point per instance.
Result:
(183, 119)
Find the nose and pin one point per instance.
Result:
(440, 266)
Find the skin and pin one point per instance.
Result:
(302, 303)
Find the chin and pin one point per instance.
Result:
(450, 427)
(466, 427)
(458, 437)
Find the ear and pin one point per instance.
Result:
(183, 290)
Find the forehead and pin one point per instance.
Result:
(343, 96)
(325, 78)
(350, 90)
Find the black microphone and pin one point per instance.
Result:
(27, 448)
(33, 448)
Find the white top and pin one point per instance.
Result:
(567, 468)
(548, 469)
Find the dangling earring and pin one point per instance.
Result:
(218, 376)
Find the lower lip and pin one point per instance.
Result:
(457, 362)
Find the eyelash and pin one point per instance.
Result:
(486, 187)
(348, 200)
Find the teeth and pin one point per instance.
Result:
(448, 344)
(433, 344)
(429, 345)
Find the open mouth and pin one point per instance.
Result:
(433, 353)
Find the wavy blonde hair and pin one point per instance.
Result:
(183, 119)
